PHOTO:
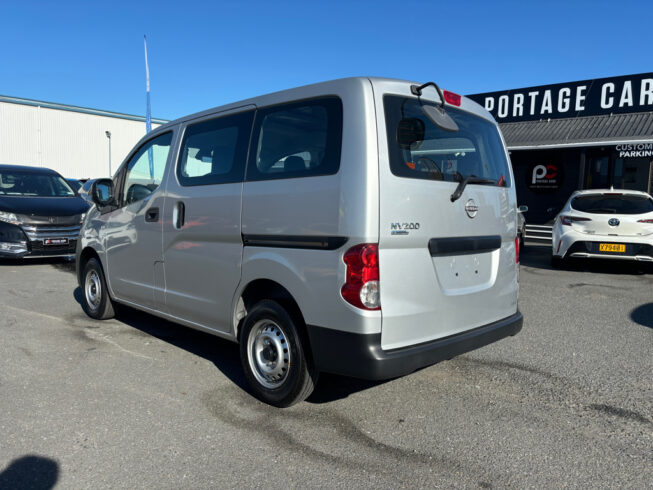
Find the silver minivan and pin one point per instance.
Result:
(364, 227)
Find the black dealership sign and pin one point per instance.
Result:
(631, 93)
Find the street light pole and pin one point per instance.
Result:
(108, 133)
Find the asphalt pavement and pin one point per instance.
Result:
(137, 402)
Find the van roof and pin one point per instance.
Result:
(303, 92)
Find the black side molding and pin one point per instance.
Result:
(440, 247)
(310, 242)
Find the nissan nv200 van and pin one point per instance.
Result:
(365, 227)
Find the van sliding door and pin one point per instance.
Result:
(202, 243)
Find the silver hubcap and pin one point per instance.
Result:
(268, 353)
(93, 289)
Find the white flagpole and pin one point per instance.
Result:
(148, 115)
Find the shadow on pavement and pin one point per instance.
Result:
(225, 355)
(536, 255)
(643, 315)
(331, 387)
(33, 472)
(222, 353)
(64, 265)
(78, 294)
(61, 263)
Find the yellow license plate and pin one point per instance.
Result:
(612, 247)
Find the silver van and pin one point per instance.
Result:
(365, 227)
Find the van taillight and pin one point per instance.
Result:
(361, 288)
(517, 249)
(645, 220)
(451, 98)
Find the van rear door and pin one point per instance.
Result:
(447, 264)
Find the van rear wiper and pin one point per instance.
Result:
(472, 179)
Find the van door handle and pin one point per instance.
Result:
(179, 215)
(152, 215)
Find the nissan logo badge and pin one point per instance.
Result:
(471, 208)
(613, 222)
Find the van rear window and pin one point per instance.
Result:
(419, 149)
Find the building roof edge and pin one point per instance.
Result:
(72, 108)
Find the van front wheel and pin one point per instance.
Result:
(274, 357)
(97, 302)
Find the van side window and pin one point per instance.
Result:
(214, 151)
(145, 169)
(300, 139)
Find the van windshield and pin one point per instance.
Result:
(419, 149)
(613, 204)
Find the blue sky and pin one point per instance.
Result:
(204, 54)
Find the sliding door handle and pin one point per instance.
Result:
(178, 215)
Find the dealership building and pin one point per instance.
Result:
(592, 134)
(75, 141)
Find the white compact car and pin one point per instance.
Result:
(607, 224)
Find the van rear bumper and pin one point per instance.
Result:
(361, 356)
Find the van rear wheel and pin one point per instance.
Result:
(274, 356)
(97, 302)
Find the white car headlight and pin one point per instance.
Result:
(81, 217)
(14, 219)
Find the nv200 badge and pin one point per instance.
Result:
(397, 228)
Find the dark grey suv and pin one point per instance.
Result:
(40, 214)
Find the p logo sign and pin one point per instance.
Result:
(545, 178)
(539, 172)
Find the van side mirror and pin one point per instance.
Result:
(410, 130)
(102, 192)
(522, 208)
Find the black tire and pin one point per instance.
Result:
(95, 295)
(291, 376)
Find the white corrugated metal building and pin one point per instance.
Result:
(71, 140)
